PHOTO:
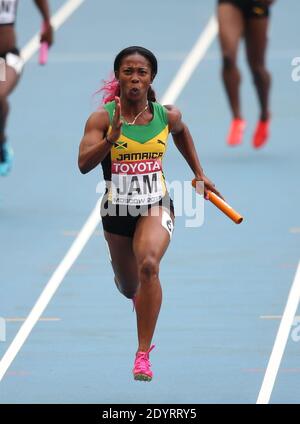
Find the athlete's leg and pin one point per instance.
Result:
(6, 88)
(231, 29)
(123, 262)
(150, 242)
(256, 44)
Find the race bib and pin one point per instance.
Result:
(136, 183)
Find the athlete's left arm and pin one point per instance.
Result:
(47, 33)
(185, 144)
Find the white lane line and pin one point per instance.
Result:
(83, 237)
(56, 20)
(50, 289)
(275, 316)
(191, 62)
(280, 341)
(19, 319)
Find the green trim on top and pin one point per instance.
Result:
(110, 107)
(143, 133)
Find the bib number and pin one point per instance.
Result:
(136, 183)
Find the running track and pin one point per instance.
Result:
(225, 286)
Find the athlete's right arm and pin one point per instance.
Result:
(94, 146)
(47, 33)
(95, 143)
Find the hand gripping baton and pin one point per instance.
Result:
(223, 206)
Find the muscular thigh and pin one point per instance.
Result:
(231, 27)
(256, 37)
(122, 258)
(152, 234)
(11, 80)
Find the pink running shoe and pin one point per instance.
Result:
(141, 369)
(261, 134)
(236, 132)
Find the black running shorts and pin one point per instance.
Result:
(250, 8)
(122, 219)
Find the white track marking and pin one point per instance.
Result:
(280, 341)
(17, 319)
(50, 289)
(94, 219)
(56, 20)
(275, 316)
(191, 62)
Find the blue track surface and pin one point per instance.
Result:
(218, 280)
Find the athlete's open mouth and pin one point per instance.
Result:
(134, 90)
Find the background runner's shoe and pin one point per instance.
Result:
(261, 134)
(6, 164)
(141, 369)
(236, 132)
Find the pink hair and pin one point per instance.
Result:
(110, 89)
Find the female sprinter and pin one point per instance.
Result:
(248, 18)
(13, 66)
(128, 136)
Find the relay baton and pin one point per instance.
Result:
(43, 52)
(223, 206)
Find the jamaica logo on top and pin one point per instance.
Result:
(121, 145)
